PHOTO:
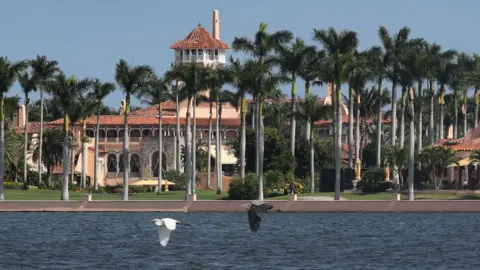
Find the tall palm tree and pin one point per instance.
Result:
(43, 69)
(157, 93)
(66, 92)
(312, 111)
(8, 75)
(291, 58)
(411, 145)
(433, 51)
(338, 47)
(357, 72)
(100, 91)
(394, 46)
(379, 62)
(52, 151)
(28, 84)
(444, 74)
(132, 80)
(260, 48)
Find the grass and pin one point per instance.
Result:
(45, 194)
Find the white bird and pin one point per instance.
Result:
(165, 226)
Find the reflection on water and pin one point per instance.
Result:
(223, 241)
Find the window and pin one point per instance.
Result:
(216, 52)
(200, 52)
(194, 52)
(187, 52)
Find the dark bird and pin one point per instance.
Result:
(256, 210)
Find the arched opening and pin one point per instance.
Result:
(90, 133)
(146, 133)
(112, 163)
(112, 135)
(101, 133)
(154, 163)
(135, 135)
(121, 133)
(134, 163)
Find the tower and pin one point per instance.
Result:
(201, 46)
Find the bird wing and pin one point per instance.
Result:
(163, 235)
(261, 209)
(171, 224)
(254, 220)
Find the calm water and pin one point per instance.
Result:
(90, 241)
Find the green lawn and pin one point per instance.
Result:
(43, 194)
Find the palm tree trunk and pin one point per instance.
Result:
(431, 136)
(394, 113)
(194, 146)
(254, 111)
(420, 118)
(312, 162)
(65, 194)
(455, 121)
(178, 158)
(257, 138)
(338, 147)
(25, 142)
(411, 154)
(243, 136)
(475, 117)
(209, 149)
(441, 102)
(307, 123)
(261, 149)
(379, 124)
(188, 148)
(402, 118)
(464, 111)
(160, 147)
(95, 164)
(84, 156)
(2, 144)
(72, 157)
(126, 160)
(350, 128)
(40, 165)
(357, 130)
(220, 164)
(218, 169)
(293, 122)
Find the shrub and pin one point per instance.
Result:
(12, 185)
(180, 179)
(273, 179)
(243, 189)
(372, 181)
(32, 187)
(299, 187)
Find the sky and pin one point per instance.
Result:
(89, 37)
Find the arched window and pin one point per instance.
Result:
(134, 163)
(90, 133)
(154, 163)
(120, 163)
(112, 162)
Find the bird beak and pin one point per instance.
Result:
(152, 220)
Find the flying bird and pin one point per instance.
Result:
(256, 210)
(165, 226)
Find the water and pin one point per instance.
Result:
(91, 241)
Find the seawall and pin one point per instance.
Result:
(291, 205)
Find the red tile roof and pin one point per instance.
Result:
(146, 120)
(33, 127)
(199, 38)
(168, 107)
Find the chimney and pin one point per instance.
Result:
(21, 116)
(329, 90)
(216, 25)
(122, 106)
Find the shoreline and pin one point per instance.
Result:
(291, 205)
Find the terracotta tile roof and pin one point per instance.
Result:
(33, 127)
(345, 121)
(199, 38)
(146, 120)
(100, 150)
(168, 106)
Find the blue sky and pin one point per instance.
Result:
(88, 37)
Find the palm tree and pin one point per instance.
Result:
(8, 74)
(399, 158)
(444, 74)
(291, 59)
(357, 72)
(132, 80)
(338, 47)
(379, 62)
(158, 92)
(433, 52)
(66, 92)
(28, 84)
(43, 69)
(260, 48)
(52, 151)
(311, 111)
(100, 91)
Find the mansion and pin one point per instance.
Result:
(200, 46)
